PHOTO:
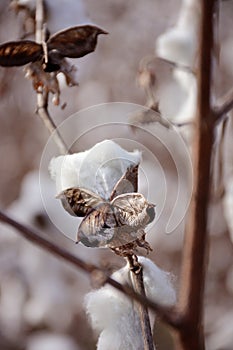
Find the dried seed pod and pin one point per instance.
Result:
(73, 42)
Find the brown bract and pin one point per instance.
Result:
(115, 222)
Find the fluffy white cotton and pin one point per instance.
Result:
(179, 44)
(188, 84)
(97, 169)
(113, 315)
(158, 284)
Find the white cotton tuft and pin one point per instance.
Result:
(113, 315)
(179, 44)
(157, 283)
(97, 169)
(188, 84)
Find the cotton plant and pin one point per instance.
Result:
(100, 185)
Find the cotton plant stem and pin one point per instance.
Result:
(194, 260)
(42, 96)
(138, 285)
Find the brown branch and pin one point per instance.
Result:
(42, 96)
(194, 259)
(167, 314)
(136, 275)
(225, 107)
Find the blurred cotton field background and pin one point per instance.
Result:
(41, 298)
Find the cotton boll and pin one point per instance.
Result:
(128, 336)
(176, 46)
(179, 44)
(50, 341)
(97, 169)
(52, 301)
(29, 204)
(117, 304)
(119, 324)
(43, 276)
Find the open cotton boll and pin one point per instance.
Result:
(97, 169)
(119, 324)
(179, 44)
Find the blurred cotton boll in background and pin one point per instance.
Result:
(119, 325)
(179, 44)
(37, 288)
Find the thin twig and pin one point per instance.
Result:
(167, 314)
(138, 285)
(226, 106)
(194, 258)
(42, 96)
